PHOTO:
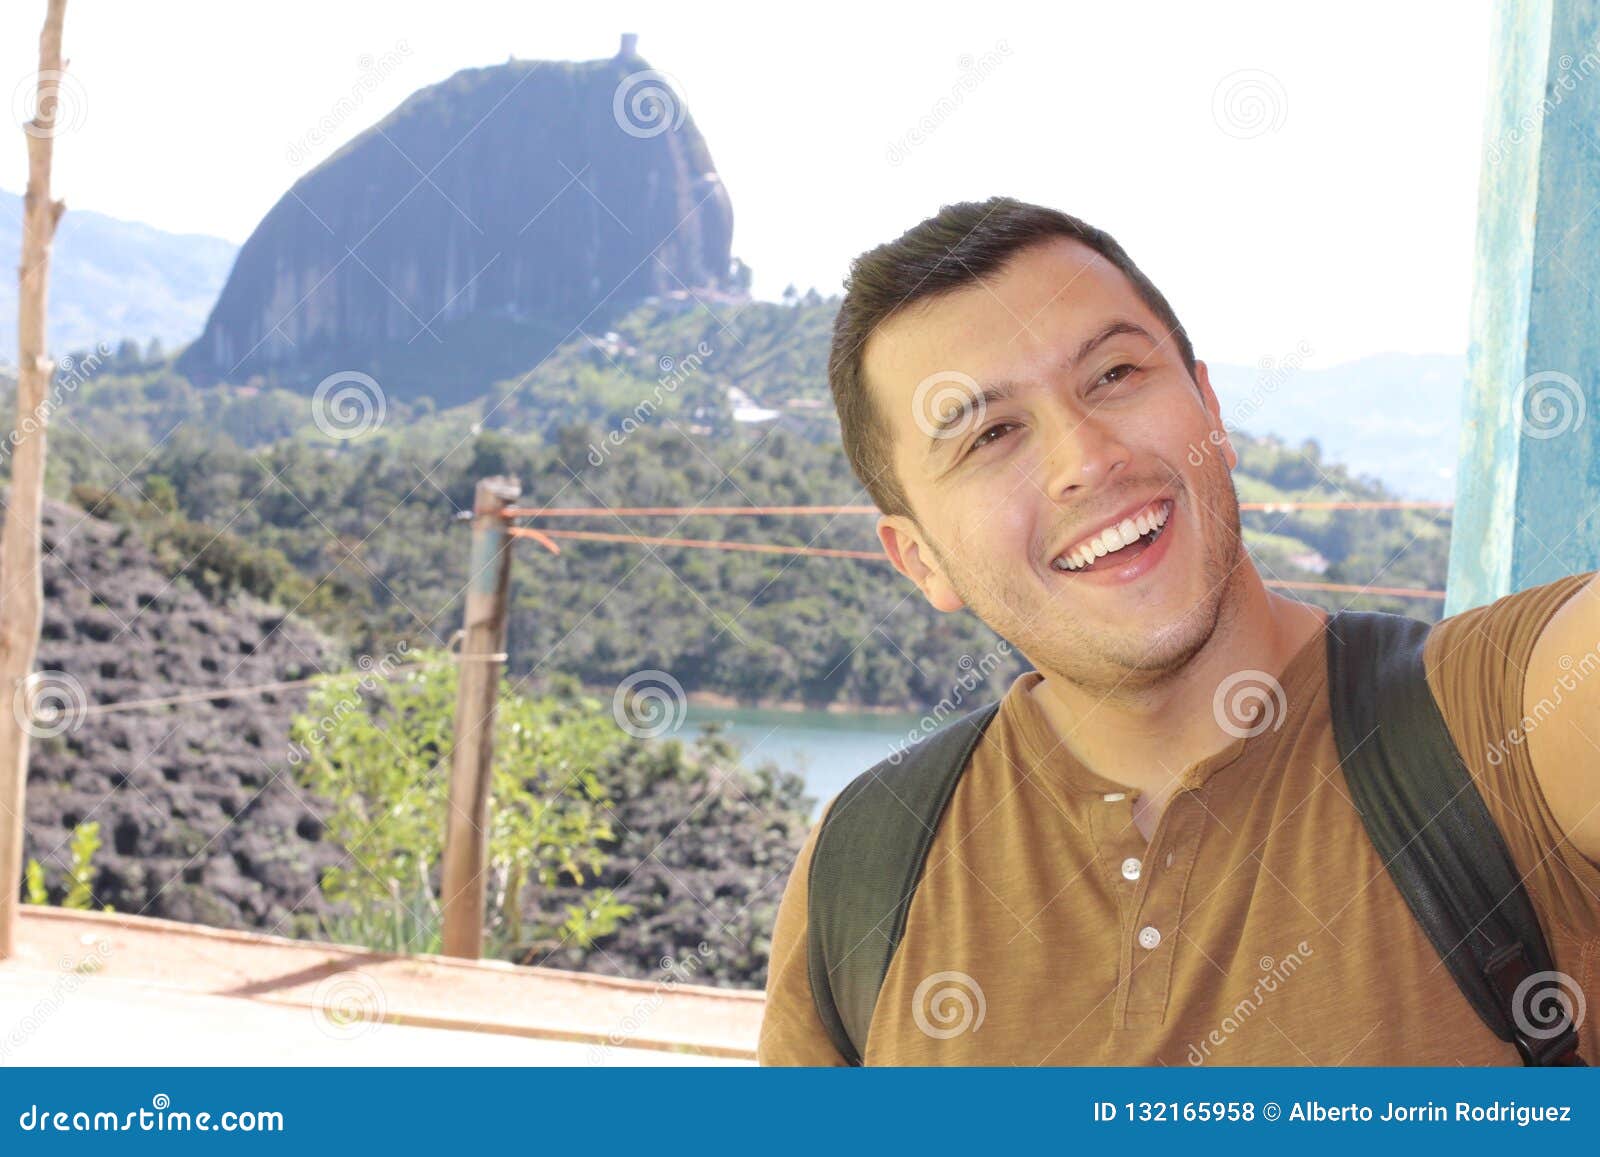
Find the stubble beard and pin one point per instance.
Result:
(1106, 659)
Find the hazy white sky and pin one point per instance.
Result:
(1286, 173)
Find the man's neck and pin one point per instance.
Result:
(1147, 741)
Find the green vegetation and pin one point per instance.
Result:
(378, 752)
(78, 893)
(237, 489)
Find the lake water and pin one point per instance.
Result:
(827, 749)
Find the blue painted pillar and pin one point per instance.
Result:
(1528, 485)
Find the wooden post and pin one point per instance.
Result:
(482, 643)
(21, 594)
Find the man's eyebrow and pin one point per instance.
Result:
(1106, 333)
(956, 415)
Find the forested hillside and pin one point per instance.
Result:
(244, 488)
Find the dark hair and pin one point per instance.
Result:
(955, 248)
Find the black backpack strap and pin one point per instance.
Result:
(1441, 846)
(865, 868)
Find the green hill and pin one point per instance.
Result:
(362, 535)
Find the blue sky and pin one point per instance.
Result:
(1291, 176)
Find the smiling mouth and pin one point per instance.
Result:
(1122, 554)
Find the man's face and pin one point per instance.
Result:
(1095, 416)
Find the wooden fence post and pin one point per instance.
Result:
(22, 599)
(462, 888)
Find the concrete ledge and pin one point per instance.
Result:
(346, 987)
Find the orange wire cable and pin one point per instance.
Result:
(543, 537)
(644, 511)
(656, 540)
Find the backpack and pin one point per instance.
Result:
(1405, 777)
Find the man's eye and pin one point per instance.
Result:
(1117, 374)
(983, 439)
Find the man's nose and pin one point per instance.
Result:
(1081, 450)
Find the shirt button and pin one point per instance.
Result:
(1149, 937)
(1115, 796)
(1130, 868)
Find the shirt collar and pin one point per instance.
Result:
(1299, 682)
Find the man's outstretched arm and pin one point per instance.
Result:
(1561, 702)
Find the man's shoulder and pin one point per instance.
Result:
(1509, 624)
(1478, 664)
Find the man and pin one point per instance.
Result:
(1152, 857)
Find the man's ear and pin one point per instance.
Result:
(904, 542)
(1219, 432)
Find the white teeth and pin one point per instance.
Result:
(1112, 538)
